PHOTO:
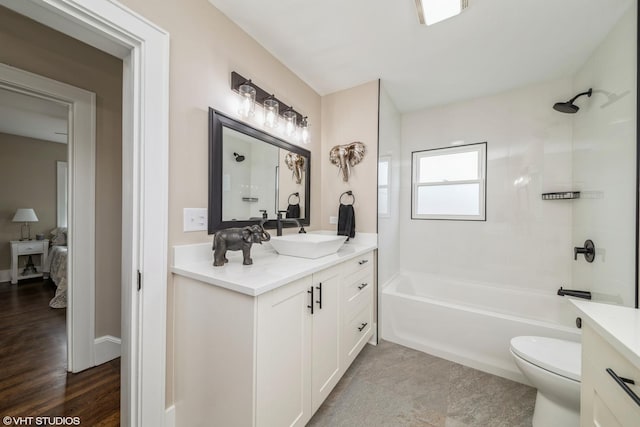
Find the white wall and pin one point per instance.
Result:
(525, 241)
(604, 162)
(389, 226)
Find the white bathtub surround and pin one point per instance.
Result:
(269, 270)
(525, 242)
(611, 348)
(470, 322)
(265, 344)
(604, 140)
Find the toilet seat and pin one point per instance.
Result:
(557, 356)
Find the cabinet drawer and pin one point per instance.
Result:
(30, 248)
(359, 263)
(356, 291)
(358, 330)
(598, 357)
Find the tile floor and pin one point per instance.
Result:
(391, 385)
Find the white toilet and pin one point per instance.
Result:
(553, 367)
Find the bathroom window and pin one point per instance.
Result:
(384, 170)
(449, 183)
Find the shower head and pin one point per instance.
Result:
(569, 107)
(239, 157)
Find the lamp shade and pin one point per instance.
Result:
(25, 215)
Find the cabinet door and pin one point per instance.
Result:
(283, 374)
(325, 370)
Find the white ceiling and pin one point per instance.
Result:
(494, 45)
(26, 115)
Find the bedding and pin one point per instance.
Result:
(56, 268)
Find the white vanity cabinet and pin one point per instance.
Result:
(271, 359)
(604, 400)
(298, 361)
(610, 380)
(325, 330)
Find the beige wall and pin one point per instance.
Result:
(205, 48)
(28, 176)
(347, 116)
(30, 46)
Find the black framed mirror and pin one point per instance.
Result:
(252, 173)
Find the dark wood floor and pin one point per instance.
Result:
(33, 352)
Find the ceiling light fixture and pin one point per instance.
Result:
(434, 11)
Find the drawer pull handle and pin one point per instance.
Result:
(310, 291)
(362, 286)
(363, 261)
(622, 382)
(361, 327)
(319, 301)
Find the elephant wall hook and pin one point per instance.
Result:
(347, 156)
(235, 239)
(295, 162)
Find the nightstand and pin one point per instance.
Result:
(25, 248)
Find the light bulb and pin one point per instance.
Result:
(290, 118)
(247, 105)
(271, 112)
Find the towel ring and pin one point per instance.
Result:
(296, 194)
(348, 193)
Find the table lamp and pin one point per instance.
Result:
(25, 215)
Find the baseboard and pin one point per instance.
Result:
(106, 348)
(374, 337)
(5, 276)
(170, 416)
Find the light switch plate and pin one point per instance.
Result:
(195, 219)
(333, 220)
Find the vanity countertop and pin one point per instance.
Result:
(619, 325)
(269, 270)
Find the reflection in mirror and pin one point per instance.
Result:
(249, 176)
(292, 184)
(252, 174)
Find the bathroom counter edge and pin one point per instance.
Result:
(269, 270)
(619, 325)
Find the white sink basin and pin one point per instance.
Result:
(307, 245)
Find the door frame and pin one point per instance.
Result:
(144, 49)
(81, 150)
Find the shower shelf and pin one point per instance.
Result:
(561, 195)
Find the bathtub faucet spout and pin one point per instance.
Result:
(574, 293)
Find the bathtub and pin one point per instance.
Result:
(470, 323)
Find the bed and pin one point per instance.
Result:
(56, 267)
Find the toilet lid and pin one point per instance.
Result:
(558, 356)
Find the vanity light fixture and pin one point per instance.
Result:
(247, 94)
(251, 94)
(433, 11)
(290, 118)
(305, 137)
(271, 112)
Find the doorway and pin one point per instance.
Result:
(144, 50)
